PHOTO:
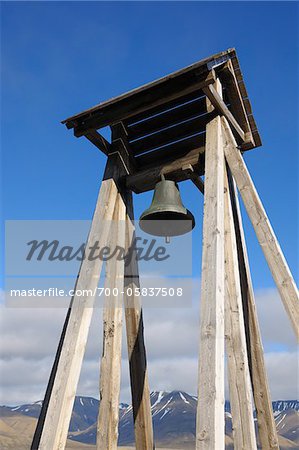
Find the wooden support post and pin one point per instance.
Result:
(265, 234)
(210, 409)
(107, 431)
(59, 411)
(135, 341)
(238, 368)
(261, 392)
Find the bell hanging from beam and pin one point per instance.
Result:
(167, 215)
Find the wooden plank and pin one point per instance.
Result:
(170, 135)
(146, 179)
(121, 146)
(263, 229)
(237, 359)
(63, 393)
(261, 392)
(237, 106)
(219, 104)
(143, 101)
(166, 106)
(197, 69)
(210, 409)
(194, 177)
(135, 340)
(171, 151)
(99, 141)
(169, 117)
(42, 416)
(107, 428)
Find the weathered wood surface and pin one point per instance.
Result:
(261, 392)
(107, 427)
(263, 229)
(210, 409)
(237, 106)
(238, 367)
(219, 104)
(146, 179)
(136, 348)
(42, 416)
(63, 393)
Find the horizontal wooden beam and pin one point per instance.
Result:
(221, 107)
(143, 101)
(146, 179)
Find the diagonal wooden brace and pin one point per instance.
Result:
(263, 229)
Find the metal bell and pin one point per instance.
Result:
(167, 215)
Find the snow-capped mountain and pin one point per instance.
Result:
(174, 419)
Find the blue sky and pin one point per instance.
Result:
(61, 57)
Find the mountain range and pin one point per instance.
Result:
(174, 421)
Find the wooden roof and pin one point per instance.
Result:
(167, 117)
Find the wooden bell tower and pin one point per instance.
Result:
(194, 122)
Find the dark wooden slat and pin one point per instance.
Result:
(170, 117)
(174, 88)
(171, 152)
(171, 134)
(198, 68)
(162, 108)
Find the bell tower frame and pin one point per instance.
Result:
(194, 122)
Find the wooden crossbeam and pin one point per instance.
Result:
(238, 367)
(210, 409)
(261, 391)
(60, 407)
(107, 428)
(263, 229)
(146, 179)
(219, 104)
(135, 340)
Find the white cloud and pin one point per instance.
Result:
(30, 337)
